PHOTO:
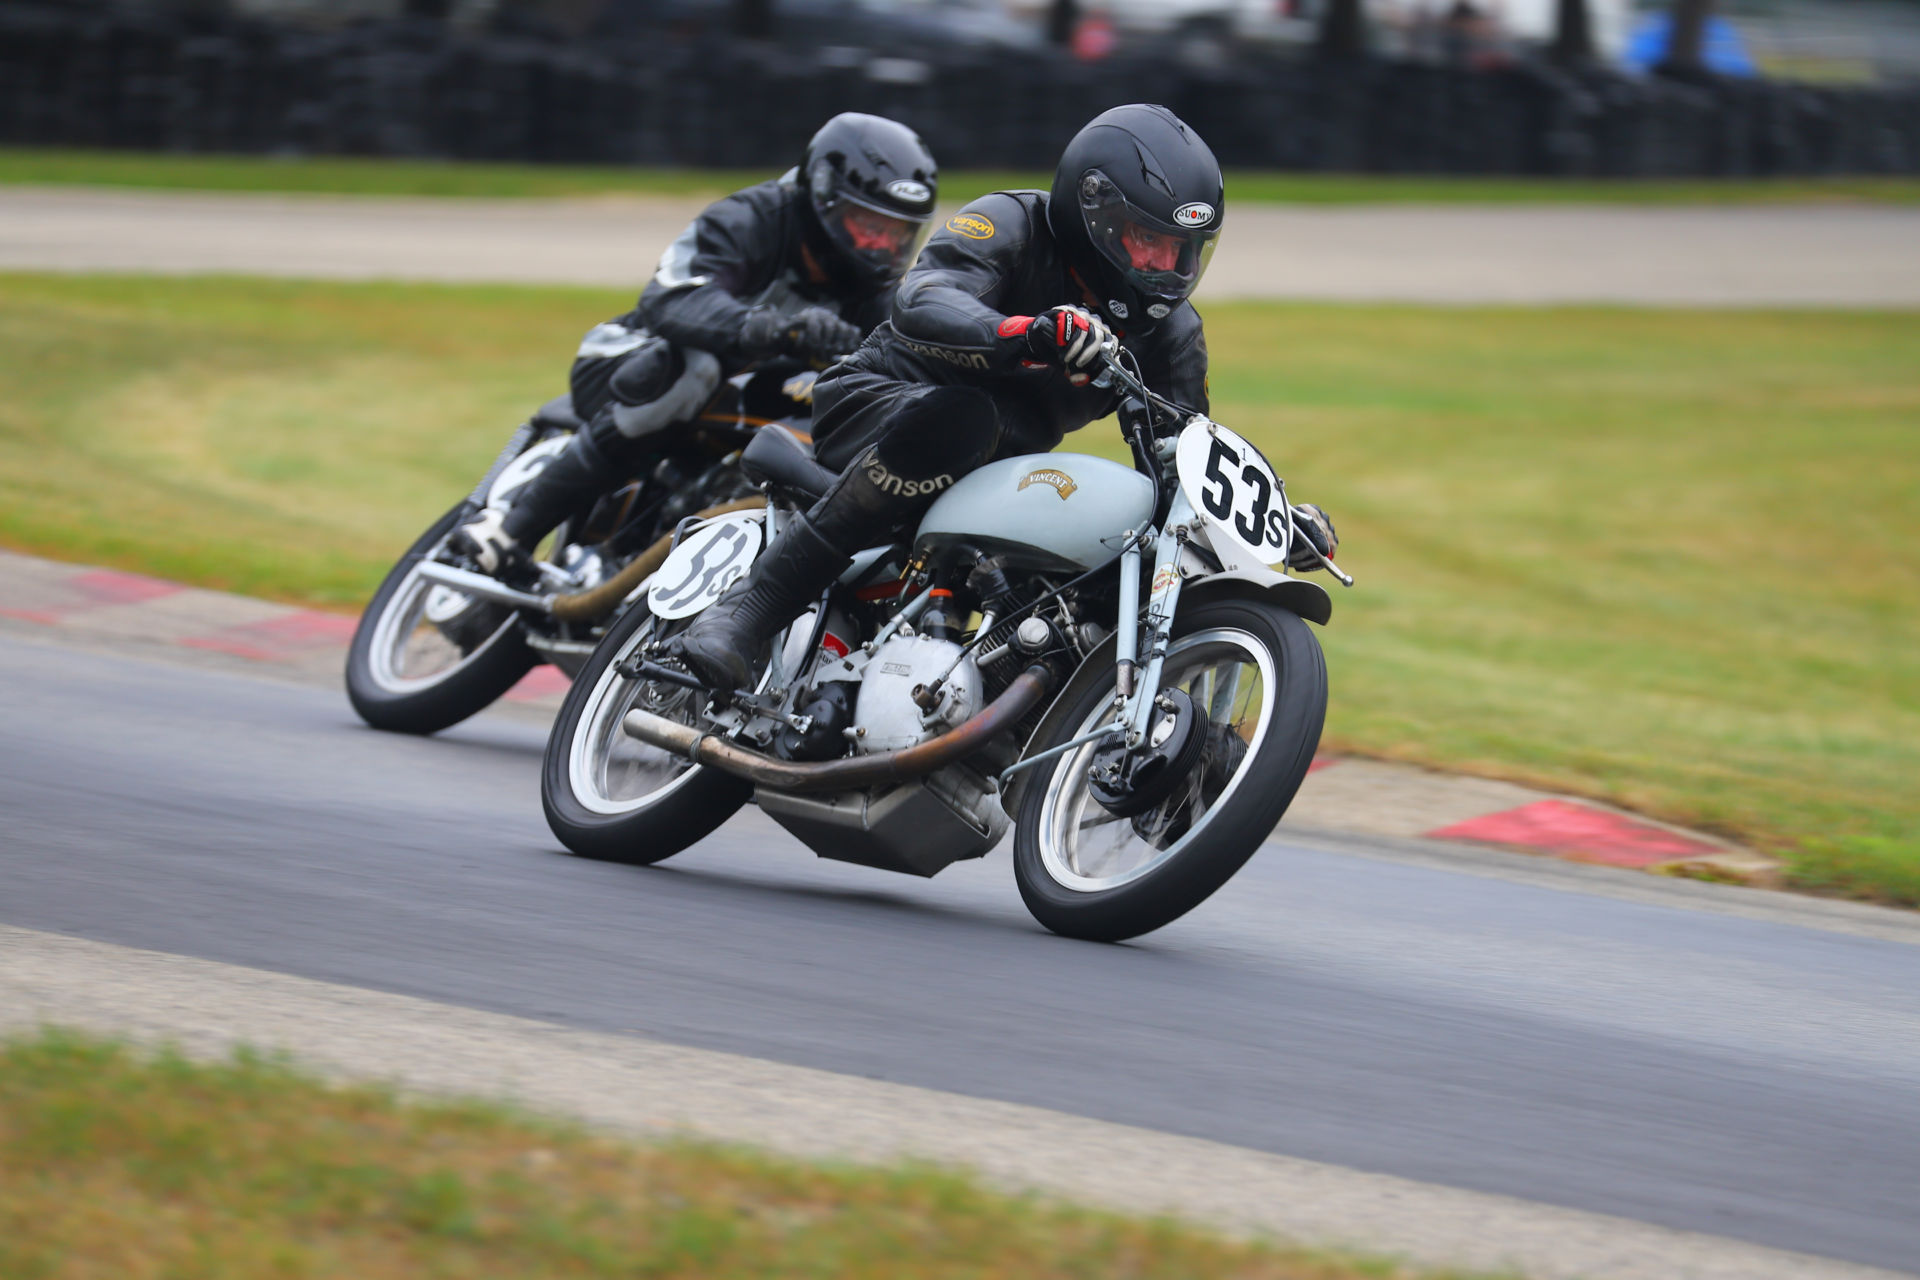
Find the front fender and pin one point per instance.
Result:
(1296, 595)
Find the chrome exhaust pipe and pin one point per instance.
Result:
(469, 583)
(853, 773)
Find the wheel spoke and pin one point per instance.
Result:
(1089, 848)
(411, 649)
(612, 772)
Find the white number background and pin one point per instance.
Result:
(1234, 490)
(707, 562)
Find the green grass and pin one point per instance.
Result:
(366, 176)
(130, 1165)
(1667, 559)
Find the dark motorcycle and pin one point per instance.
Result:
(1096, 655)
(440, 641)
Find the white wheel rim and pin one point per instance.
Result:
(604, 759)
(405, 633)
(1087, 849)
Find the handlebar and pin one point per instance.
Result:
(1117, 371)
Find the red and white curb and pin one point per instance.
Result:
(109, 605)
(1351, 796)
(1371, 797)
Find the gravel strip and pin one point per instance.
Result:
(637, 1085)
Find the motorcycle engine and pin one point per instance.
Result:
(886, 717)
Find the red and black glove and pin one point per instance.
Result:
(1067, 338)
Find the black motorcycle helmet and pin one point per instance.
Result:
(1136, 208)
(870, 185)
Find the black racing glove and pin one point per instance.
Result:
(814, 334)
(1069, 338)
(1314, 526)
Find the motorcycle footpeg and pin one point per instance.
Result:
(647, 669)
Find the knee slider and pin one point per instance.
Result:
(645, 373)
(678, 402)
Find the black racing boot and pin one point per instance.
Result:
(725, 642)
(501, 543)
(875, 495)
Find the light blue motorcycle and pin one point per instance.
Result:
(1095, 655)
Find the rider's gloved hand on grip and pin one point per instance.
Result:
(1070, 338)
(819, 335)
(1314, 526)
(815, 334)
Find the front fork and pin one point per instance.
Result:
(1142, 650)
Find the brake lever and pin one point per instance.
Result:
(1326, 562)
(1344, 580)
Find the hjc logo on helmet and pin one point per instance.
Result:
(1197, 214)
(909, 191)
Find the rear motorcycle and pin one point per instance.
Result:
(439, 641)
(1093, 654)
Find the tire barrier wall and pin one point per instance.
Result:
(217, 83)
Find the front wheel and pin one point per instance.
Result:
(1109, 871)
(611, 796)
(424, 656)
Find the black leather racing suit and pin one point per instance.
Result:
(948, 384)
(747, 250)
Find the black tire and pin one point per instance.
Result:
(701, 798)
(488, 670)
(1233, 827)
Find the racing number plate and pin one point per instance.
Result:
(1234, 490)
(707, 562)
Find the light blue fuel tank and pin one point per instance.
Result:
(1041, 510)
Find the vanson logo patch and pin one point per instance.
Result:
(1060, 481)
(971, 225)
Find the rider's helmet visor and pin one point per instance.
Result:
(884, 241)
(1157, 258)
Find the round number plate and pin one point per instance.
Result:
(1234, 490)
(707, 562)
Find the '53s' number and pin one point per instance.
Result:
(1230, 484)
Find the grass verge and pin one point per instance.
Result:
(374, 176)
(1666, 559)
(119, 1163)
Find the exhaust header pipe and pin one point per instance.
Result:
(853, 773)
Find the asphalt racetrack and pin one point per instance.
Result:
(1642, 1053)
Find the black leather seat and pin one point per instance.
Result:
(780, 458)
(558, 412)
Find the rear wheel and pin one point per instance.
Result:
(425, 656)
(610, 796)
(1094, 865)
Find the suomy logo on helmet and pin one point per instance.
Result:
(909, 191)
(1197, 214)
(971, 225)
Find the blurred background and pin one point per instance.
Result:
(1540, 87)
